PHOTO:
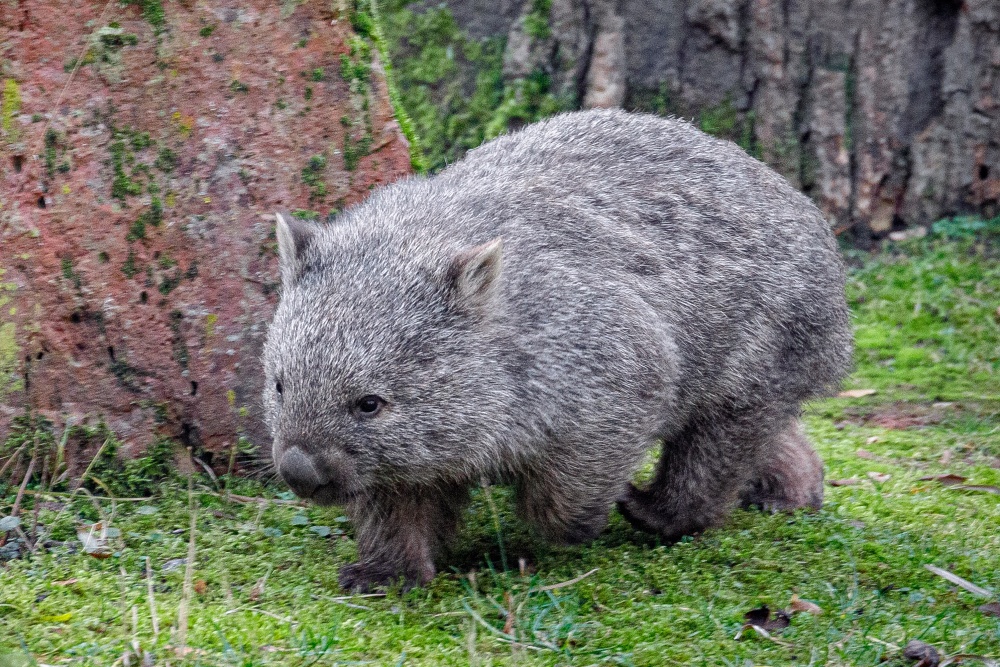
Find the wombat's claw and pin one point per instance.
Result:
(365, 578)
(631, 506)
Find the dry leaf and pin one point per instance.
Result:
(872, 440)
(200, 587)
(856, 393)
(990, 608)
(947, 479)
(799, 605)
(850, 481)
(946, 457)
(65, 582)
(508, 626)
(762, 618)
(258, 588)
(879, 476)
(864, 454)
(95, 540)
(925, 654)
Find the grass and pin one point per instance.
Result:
(263, 586)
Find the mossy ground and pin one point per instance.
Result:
(264, 591)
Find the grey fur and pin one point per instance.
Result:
(540, 314)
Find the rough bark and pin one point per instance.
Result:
(887, 112)
(136, 236)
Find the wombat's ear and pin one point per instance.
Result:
(294, 237)
(474, 272)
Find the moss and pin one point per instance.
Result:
(152, 11)
(51, 142)
(206, 31)
(180, 350)
(536, 23)
(69, 272)
(166, 160)
(129, 268)
(238, 86)
(10, 107)
(317, 74)
(122, 185)
(454, 92)
(10, 380)
(169, 283)
(313, 174)
(355, 149)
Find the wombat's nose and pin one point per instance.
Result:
(299, 473)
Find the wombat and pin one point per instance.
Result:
(540, 314)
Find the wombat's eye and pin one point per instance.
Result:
(370, 405)
(278, 388)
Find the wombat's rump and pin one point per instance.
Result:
(540, 314)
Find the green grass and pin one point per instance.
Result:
(928, 343)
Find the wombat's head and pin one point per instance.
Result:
(379, 360)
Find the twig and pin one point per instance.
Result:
(959, 581)
(208, 470)
(24, 484)
(262, 611)
(71, 494)
(182, 611)
(552, 587)
(38, 505)
(14, 459)
(152, 600)
(100, 450)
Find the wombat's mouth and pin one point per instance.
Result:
(332, 494)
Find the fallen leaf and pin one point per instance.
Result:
(856, 393)
(947, 479)
(946, 457)
(879, 476)
(65, 582)
(990, 608)
(850, 481)
(864, 454)
(762, 618)
(925, 654)
(799, 605)
(95, 540)
(258, 588)
(200, 587)
(872, 440)
(58, 618)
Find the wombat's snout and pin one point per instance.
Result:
(324, 484)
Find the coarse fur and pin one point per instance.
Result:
(540, 314)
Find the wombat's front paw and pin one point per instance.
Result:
(642, 510)
(365, 577)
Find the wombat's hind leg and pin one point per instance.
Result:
(789, 477)
(701, 473)
(399, 535)
(567, 507)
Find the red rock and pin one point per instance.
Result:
(155, 325)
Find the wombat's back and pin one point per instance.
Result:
(740, 268)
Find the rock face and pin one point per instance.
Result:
(145, 146)
(887, 112)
